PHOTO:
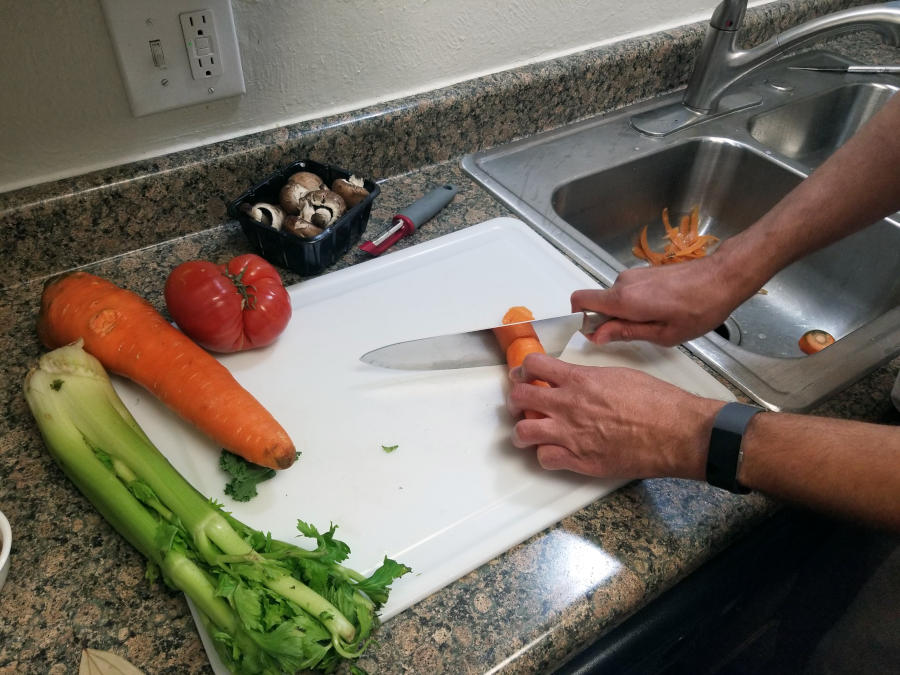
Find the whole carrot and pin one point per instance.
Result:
(518, 341)
(129, 337)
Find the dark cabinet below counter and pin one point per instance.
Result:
(761, 606)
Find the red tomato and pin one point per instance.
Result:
(228, 308)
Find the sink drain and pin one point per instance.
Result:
(730, 331)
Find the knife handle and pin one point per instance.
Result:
(873, 69)
(592, 321)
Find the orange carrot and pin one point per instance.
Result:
(521, 348)
(813, 341)
(506, 336)
(518, 342)
(129, 337)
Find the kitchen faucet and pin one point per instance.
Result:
(721, 63)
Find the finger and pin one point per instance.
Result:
(616, 330)
(532, 432)
(554, 457)
(526, 396)
(595, 299)
(541, 367)
(527, 433)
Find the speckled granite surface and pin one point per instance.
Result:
(75, 583)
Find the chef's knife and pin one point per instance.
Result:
(849, 69)
(479, 347)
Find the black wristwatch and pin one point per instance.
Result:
(725, 453)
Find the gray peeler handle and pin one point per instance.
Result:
(424, 209)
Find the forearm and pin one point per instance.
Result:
(858, 185)
(840, 466)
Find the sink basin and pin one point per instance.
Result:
(837, 289)
(731, 184)
(591, 187)
(811, 129)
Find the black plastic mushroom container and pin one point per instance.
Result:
(304, 256)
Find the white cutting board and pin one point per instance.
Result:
(455, 493)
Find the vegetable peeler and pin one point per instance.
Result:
(406, 221)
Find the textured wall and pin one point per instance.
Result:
(64, 111)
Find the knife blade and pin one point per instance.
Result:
(479, 347)
(849, 69)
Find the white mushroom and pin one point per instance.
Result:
(291, 197)
(299, 224)
(328, 207)
(351, 189)
(307, 179)
(265, 214)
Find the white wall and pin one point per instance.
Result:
(64, 111)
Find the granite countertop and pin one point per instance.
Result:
(75, 583)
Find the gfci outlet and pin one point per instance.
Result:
(200, 38)
(174, 53)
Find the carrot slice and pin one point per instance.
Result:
(129, 337)
(518, 342)
(813, 341)
(506, 335)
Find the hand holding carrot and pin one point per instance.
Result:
(609, 422)
(518, 341)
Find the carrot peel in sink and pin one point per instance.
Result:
(685, 241)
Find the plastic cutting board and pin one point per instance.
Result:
(455, 493)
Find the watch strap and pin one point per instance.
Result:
(724, 458)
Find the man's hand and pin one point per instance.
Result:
(610, 422)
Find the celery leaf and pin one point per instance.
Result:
(245, 476)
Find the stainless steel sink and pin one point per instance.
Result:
(809, 130)
(591, 187)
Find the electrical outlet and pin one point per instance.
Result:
(200, 38)
(172, 54)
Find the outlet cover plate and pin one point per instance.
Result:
(160, 77)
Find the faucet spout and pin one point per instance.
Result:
(721, 64)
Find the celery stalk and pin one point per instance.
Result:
(270, 606)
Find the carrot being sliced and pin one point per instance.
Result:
(521, 348)
(516, 314)
(506, 335)
(129, 337)
(518, 342)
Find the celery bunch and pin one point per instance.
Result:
(270, 606)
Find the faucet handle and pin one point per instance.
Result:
(729, 15)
